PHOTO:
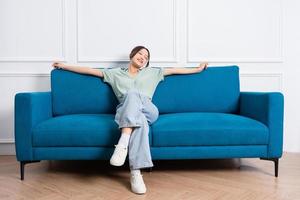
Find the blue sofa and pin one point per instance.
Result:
(202, 116)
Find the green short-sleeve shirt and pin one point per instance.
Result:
(145, 81)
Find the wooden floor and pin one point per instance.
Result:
(200, 179)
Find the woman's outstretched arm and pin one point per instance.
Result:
(78, 69)
(176, 70)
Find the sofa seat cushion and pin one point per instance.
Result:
(79, 130)
(207, 129)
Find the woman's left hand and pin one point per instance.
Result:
(202, 66)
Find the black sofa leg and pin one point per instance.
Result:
(22, 164)
(22, 167)
(276, 163)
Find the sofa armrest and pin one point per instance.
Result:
(266, 107)
(30, 109)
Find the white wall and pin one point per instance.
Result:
(261, 36)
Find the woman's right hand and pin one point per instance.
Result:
(58, 65)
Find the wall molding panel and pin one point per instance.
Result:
(19, 35)
(172, 57)
(264, 82)
(216, 28)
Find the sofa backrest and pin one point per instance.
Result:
(214, 90)
(74, 93)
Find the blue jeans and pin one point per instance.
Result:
(137, 111)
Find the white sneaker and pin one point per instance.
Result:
(119, 156)
(137, 184)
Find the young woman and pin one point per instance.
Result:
(134, 87)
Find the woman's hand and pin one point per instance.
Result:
(202, 66)
(58, 65)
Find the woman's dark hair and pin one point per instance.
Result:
(136, 49)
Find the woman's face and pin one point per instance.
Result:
(140, 59)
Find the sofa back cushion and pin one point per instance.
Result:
(74, 93)
(214, 90)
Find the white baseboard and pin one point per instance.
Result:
(7, 149)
